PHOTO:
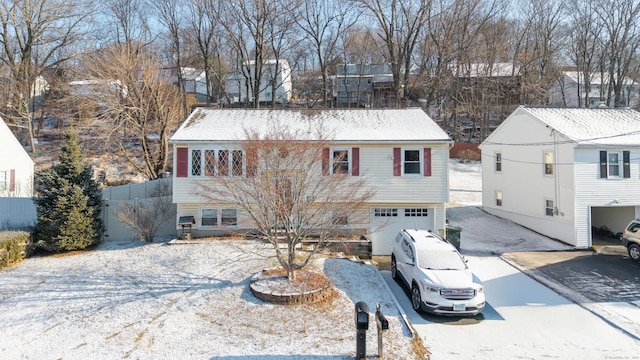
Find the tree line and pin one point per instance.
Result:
(119, 46)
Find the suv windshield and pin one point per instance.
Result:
(440, 260)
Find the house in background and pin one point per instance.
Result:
(16, 166)
(403, 154)
(194, 82)
(238, 87)
(564, 172)
(570, 91)
(363, 85)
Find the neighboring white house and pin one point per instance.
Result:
(570, 91)
(16, 166)
(279, 72)
(564, 171)
(194, 81)
(403, 153)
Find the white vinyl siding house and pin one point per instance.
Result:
(16, 166)
(403, 154)
(565, 171)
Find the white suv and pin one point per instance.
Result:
(631, 239)
(437, 274)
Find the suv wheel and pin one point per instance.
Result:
(394, 268)
(634, 252)
(416, 300)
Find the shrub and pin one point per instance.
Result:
(14, 247)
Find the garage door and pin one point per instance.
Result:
(386, 222)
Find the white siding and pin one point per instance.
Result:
(592, 191)
(522, 142)
(14, 157)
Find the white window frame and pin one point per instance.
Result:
(498, 162)
(499, 198)
(419, 162)
(204, 170)
(549, 207)
(547, 159)
(385, 212)
(220, 219)
(617, 165)
(332, 157)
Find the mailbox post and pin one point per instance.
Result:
(383, 325)
(362, 325)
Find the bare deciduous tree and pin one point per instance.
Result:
(400, 24)
(323, 25)
(290, 192)
(144, 108)
(34, 38)
(147, 215)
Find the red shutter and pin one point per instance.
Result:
(397, 162)
(12, 180)
(182, 162)
(427, 161)
(252, 162)
(355, 161)
(325, 161)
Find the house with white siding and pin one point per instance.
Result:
(402, 153)
(16, 166)
(564, 172)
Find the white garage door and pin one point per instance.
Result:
(386, 222)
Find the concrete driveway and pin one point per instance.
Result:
(522, 319)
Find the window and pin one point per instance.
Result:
(416, 212)
(229, 217)
(340, 218)
(196, 162)
(210, 162)
(3, 181)
(412, 163)
(236, 164)
(223, 162)
(498, 162)
(548, 163)
(498, 198)
(213, 217)
(613, 161)
(549, 208)
(209, 217)
(615, 164)
(340, 161)
(385, 212)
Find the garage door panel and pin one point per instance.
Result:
(387, 222)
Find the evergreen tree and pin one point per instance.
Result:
(68, 202)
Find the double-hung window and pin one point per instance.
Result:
(340, 161)
(549, 208)
(615, 164)
(498, 162)
(498, 198)
(411, 161)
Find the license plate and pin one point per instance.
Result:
(458, 307)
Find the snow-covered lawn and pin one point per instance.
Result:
(157, 301)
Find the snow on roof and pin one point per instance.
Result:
(595, 78)
(340, 125)
(487, 70)
(620, 126)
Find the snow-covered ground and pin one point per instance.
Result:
(155, 301)
(158, 301)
